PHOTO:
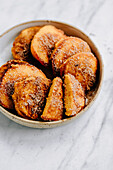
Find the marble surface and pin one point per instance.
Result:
(87, 142)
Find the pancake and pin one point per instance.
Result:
(29, 96)
(43, 43)
(64, 49)
(21, 45)
(74, 97)
(11, 72)
(83, 66)
(53, 110)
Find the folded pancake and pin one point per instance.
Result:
(83, 66)
(29, 96)
(21, 45)
(64, 49)
(44, 42)
(11, 72)
(74, 97)
(54, 105)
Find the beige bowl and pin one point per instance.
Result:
(6, 41)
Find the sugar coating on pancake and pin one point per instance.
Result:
(43, 43)
(21, 45)
(74, 97)
(13, 71)
(54, 105)
(65, 48)
(83, 66)
(29, 96)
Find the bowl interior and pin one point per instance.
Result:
(6, 41)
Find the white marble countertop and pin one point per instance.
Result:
(87, 142)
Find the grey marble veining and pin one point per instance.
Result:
(87, 142)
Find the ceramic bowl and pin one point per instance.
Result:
(6, 41)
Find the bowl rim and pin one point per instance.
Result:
(41, 124)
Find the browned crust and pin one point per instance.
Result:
(21, 45)
(29, 96)
(53, 110)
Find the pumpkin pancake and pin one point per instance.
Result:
(74, 97)
(64, 49)
(11, 72)
(29, 96)
(21, 45)
(54, 105)
(83, 66)
(44, 42)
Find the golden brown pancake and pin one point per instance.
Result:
(21, 45)
(74, 97)
(44, 42)
(29, 96)
(64, 49)
(11, 72)
(83, 66)
(54, 105)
